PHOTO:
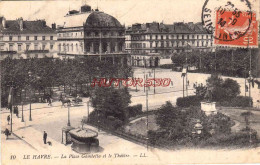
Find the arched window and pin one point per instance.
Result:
(72, 47)
(59, 47)
(81, 46)
(77, 49)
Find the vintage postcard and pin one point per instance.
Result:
(129, 82)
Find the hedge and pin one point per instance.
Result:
(166, 66)
(133, 111)
(188, 101)
(109, 122)
(235, 139)
(239, 101)
(239, 139)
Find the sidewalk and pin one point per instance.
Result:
(32, 138)
(36, 106)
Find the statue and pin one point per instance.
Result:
(208, 106)
(208, 95)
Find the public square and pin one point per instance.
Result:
(28, 134)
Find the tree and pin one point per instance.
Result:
(223, 90)
(173, 121)
(111, 102)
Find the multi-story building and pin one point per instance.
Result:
(91, 33)
(150, 42)
(26, 39)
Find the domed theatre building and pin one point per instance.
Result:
(91, 34)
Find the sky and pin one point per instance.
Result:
(126, 11)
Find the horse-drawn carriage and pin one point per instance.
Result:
(70, 100)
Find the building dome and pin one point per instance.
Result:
(100, 19)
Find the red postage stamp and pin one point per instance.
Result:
(236, 28)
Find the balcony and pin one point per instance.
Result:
(104, 36)
(36, 51)
(7, 52)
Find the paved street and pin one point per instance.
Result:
(171, 93)
(52, 118)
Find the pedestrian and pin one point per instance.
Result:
(8, 119)
(60, 97)
(44, 137)
(16, 111)
(49, 101)
(7, 133)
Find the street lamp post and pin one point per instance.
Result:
(182, 86)
(147, 128)
(197, 129)
(98, 121)
(154, 80)
(22, 108)
(88, 110)
(30, 99)
(68, 105)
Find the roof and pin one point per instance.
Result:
(74, 20)
(38, 26)
(98, 19)
(83, 133)
(178, 28)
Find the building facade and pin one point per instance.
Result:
(91, 33)
(26, 39)
(151, 43)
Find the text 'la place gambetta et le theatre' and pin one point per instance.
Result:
(91, 33)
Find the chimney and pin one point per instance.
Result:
(3, 22)
(20, 22)
(53, 26)
(44, 23)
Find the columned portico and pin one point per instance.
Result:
(92, 47)
(100, 47)
(116, 47)
(108, 47)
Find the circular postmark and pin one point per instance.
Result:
(226, 20)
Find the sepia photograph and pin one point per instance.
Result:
(129, 82)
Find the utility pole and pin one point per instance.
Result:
(250, 79)
(250, 73)
(68, 105)
(30, 99)
(232, 60)
(144, 74)
(100, 45)
(11, 108)
(186, 75)
(216, 59)
(22, 113)
(88, 109)
(154, 80)
(183, 86)
(147, 114)
(187, 82)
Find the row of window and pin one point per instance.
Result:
(164, 52)
(181, 36)
(71, 34)
(15, 56)
(96, 34)
(36, 47)
(70, 47)
(19, 38)
(168, 44)
(105, 33)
